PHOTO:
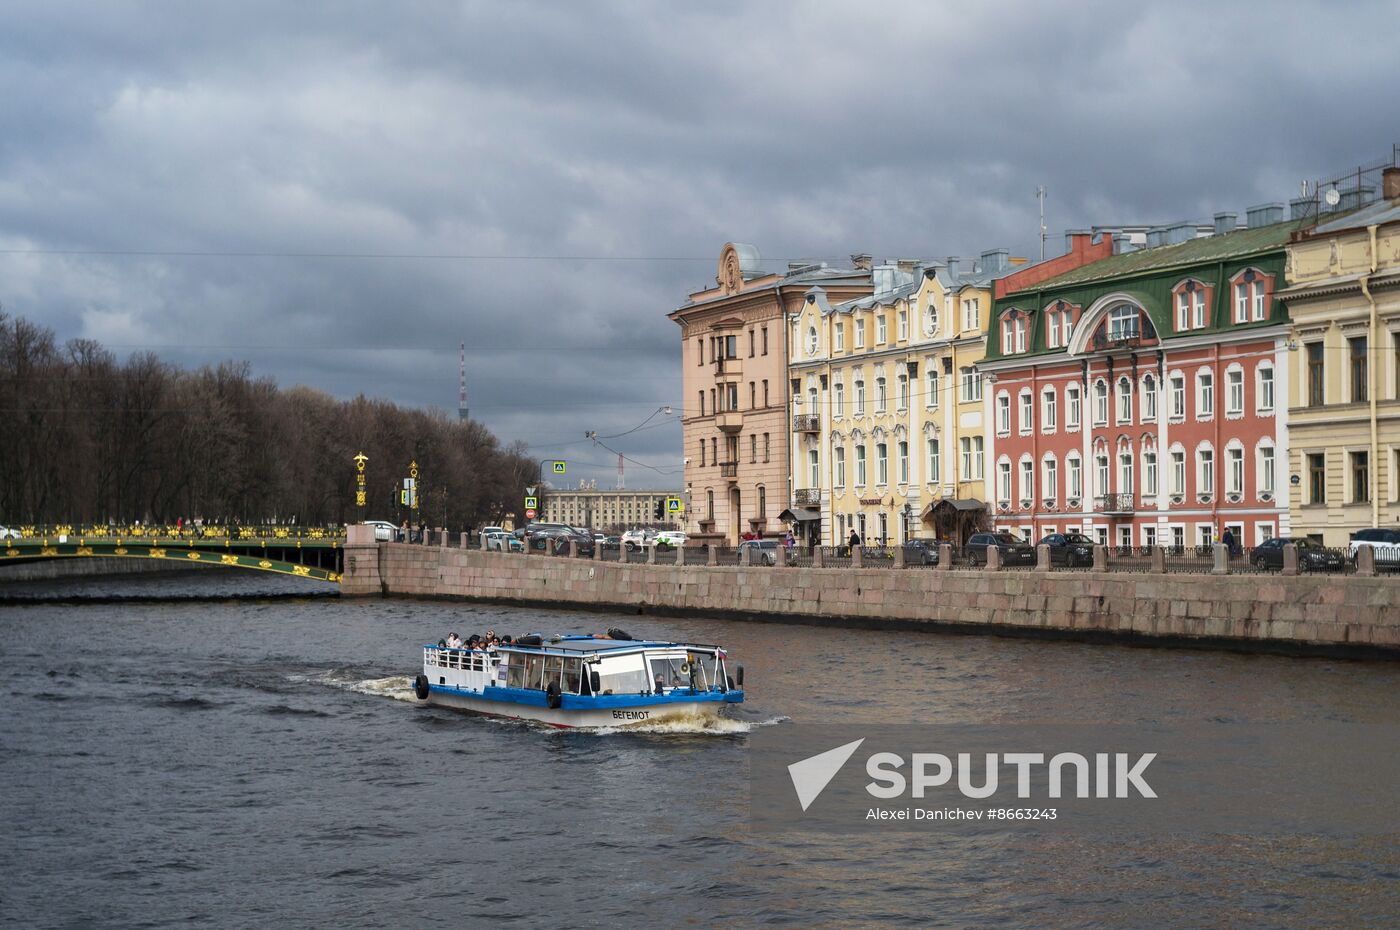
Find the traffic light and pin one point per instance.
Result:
(660, 509)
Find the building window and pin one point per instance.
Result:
(931, 386)
(1027, 411)
(1356, 349)
(903, 325)
(702, 453)
(839, 479)
(1125, 400)
(1178, 472)
(812, 399)
(753, 396)
(838, 401)
(840, 337)
(880, 403)
(751, 342)
(1183, 310)
(1241, 302)
(1052, 329)
(1123, 322)
(902, 392)
(1234, 392)
(1013, 334)
(1149, 399)
(753, 448)
(970, 314)
(1234, 470)
(766, 448)
(1265, 389)
(1074, 478)
(1125, 472)
(860, 465)
(970, 383)
(811, 340)
(1047, 410)
(762, 502)
(1266, 470)
(1205, 395)
(1316, 375)
(1101, 474)
(971, 447)
(1027, 484)
(1149, 474)
(1072, 407)
(880, 331)
(764, 334)
(1178, 383)
(931, 317)
(1003, 414)
(765, 392)
(1317, 478)
(714, 450)
(860, 397)
(813, 469)
(935, 469)
(1100, 403)
(1004, 482)
(1050, 480)
(902, 463)
(710, 504)
(860, 334)
(1205, 471)
(1360, 477)
(882, 464)
(702, 403)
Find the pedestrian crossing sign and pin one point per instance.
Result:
(560, 467)
(674, 505)
(531, 503)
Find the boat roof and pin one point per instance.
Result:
(572, 644)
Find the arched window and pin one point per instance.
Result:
(1100, 402)
(1123, 322)
(1125, 400)
(1149, 399)
(811, 340)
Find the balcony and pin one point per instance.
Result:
(729, 367)
(807, 423)
(807, 497)
(729, 469)
(1114, 503)
(731, 421)
(1127, 337)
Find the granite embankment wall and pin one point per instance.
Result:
(1306, 614)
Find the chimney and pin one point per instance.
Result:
(1301, 208)
(1390, 183)
(1265, 214)
(862, 261)
(995, 260)
(1356, 197)
(1180, 232)
(1122, 242)
(1156, 236)
(953, 267)
(907, 265)
(1225, 223)
(1076, 240)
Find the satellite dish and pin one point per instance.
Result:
(1332, 197)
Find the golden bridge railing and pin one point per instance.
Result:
(188, 531)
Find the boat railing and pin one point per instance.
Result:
(468, 660)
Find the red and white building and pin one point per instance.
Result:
(1141, 399)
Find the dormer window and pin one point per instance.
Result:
(1191, 298)
(811, 340)
(1124, 322)
(840, 337)
(1059, 325)
(1251, 290)
(1013, 333)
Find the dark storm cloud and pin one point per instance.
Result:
(615, 131)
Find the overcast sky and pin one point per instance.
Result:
(571, 170)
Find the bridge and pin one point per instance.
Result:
(316, 552)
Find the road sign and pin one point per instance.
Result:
(531, 503)
(530, 492)
(560, 467)
(410, 483)
(529, 513)
(674, 505)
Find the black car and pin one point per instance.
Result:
(1014, 550)
(1069, 549)
(1311, 556)
(921, 552)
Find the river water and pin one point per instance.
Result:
(253, 760)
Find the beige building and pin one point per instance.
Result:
(1344, 380)
(887, 404)
(605, 511)
(734, 357)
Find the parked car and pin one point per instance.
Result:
(1385, 547)
(669, 539)
(501, 541)
(384, 531)
(921, 551)
(1311, 556)
(637, 539)
(761, 552)
(489, 530)
(1069, 549)
(1014, 550)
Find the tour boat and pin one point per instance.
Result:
(582, 680)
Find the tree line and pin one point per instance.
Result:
(88, 438)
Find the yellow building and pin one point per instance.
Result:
(1344, 384)
(887, 405)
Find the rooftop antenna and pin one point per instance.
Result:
(621, 483)
(1040, 195)
(462, 385)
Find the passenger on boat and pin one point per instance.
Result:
(454, 641)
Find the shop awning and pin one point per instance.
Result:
(957, 506)
(800, 515)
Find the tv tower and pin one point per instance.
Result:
(462, 385)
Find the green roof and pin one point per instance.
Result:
(1222, 247)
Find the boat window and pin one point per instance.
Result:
(622, 675)
(667, 674)
(554, 671)
(515, 670)
(571, 676)
(534, 672)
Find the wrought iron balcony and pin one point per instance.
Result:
(1128, 337)
(806, 423)
(1115, 503)
(807, 497)
(729, 469)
